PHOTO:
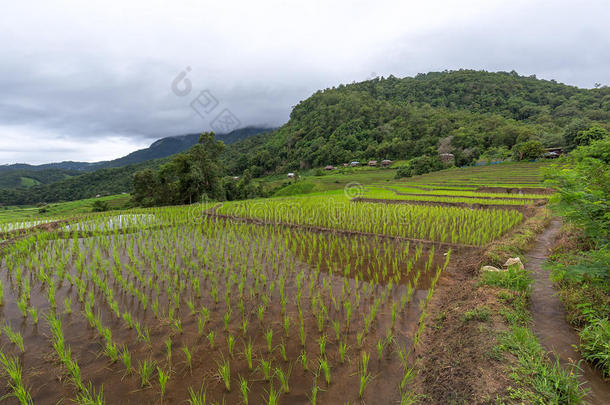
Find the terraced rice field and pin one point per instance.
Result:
(313, 299)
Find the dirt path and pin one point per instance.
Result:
(549, 318)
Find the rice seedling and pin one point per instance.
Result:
(272, 396)
(269, 339)
(188, 358)
(68, 305)
(227, 320)
(22, 304)
(364, 378)
(145, 369)
(14, 337)
(406, 378)
(380, 347)
(265, 366)
(342, 350)
(224, 372)
(244, 389)
(248, 354)
(111, 351)
(13, 370)
(231, 344)
(303, 360)
(325, 368)
(197, 398)
(244, 326)
(359, 338)
(211, 338)
(163, 377)
(313, 398)
(322, 345)
(126, 358)
(284, 378)
(33, 314)
(283, 351)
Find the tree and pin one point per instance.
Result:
(528, 150)
(186, 178)
(421, 165)
(582, 181)
(144, 188)
(572, 130)
(592, 134)
(100, 206)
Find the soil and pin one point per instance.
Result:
(549, 316)
(455, 357)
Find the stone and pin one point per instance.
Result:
(514, 261)
(490, 268)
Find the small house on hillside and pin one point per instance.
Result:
(291, 175)
(329, 167)
(354, 164)
(447, 157)
(372, 163)
(386, 163)
(553, 153)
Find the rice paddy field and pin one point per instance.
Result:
(315, 299)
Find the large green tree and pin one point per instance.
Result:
(188, 177)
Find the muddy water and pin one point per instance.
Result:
(549, 318)
(46, 378)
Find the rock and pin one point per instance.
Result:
(490, 268)
(514, 261)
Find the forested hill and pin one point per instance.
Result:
(464, 112)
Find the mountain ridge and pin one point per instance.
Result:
(160, 148)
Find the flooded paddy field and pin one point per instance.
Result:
(230, 309)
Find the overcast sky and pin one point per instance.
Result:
(95, 80)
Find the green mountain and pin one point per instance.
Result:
(463, 112)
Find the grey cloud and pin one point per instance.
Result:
(104, 71)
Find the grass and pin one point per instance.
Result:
(61, 209)
(536, 378)
(539, 380)
(585, 297)
(513, 278)
(595, 344)
(480, 314)
(331, 180)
